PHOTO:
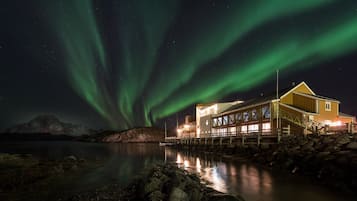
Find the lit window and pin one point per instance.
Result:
(266, 112)
(244, 129)
(225, 120)
(231, 119)
(253, 128)
(245, 116)
(254, 115)
(266, 127)
(239, 117)
(232, 130)
(207, 122)
(327, 106)
(215, 122)
(219, 121)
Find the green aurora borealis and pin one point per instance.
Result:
(135, 62)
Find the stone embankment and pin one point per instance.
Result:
(162, 182)
(328, 159)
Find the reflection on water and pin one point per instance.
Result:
(120, 163)
(250, 181)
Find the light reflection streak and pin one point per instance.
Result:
(228, 177)
(198, 165)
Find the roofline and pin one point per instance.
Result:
(320, 98)
(291, 90)
(210, 104)
(242, 108)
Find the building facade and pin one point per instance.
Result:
(297, 110)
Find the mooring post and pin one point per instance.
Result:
(243, 140)
(258, 139)
(220, 141)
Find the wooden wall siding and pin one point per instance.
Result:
(291, 115)
(304, 103)
(327, 115)
(288, 99)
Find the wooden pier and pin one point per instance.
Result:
(248, 139)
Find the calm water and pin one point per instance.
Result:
(121, 162)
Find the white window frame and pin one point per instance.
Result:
(327, 106)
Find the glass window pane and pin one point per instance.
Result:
(246, 116)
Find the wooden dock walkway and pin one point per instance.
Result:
(247, 139)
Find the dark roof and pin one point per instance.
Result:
(264, 98)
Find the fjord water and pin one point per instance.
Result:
(120, 163)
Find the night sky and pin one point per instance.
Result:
(119, 64)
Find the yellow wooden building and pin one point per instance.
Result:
(297, 110)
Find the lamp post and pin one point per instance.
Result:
(278, 103)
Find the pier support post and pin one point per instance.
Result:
(220, 141)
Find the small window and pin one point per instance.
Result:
(215, 122)
(239, 117)
(266, 112)
(219, 121)
(225, 120)
(207, 122)
(246, 116)
(244, 129)
(231, 119)
(327, 106)
(253, 128)
(254, 115)
(266, 127)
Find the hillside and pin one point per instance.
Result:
(145, 134)
(49, 124)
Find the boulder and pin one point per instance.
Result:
(156, 196)
(71, 158)
(224, 197)
(178, 195)
(343, 139)
(153, 185)
(352, 146)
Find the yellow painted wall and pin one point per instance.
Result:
(305, 103)
(327, 115)
(288, 99)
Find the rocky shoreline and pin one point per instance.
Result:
(24, 177)
(329, 160)
(159, 183)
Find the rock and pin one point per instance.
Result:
(343, 139)
(309, 146)
(322, 154)
(156, 196)
(178, 195)
(71, 158)
(352, 146)
(153, 185)
(224, 197)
